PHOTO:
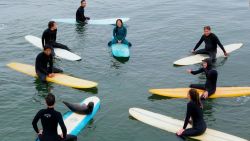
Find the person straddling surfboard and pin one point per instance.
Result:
(44, 64)
(80, 109)
(211, 78)
(49, 36)
(50, 118)
(80, 17)
(195, 113)
(119, 34)
(211, 42)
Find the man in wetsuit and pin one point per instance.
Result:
(50, 119)
(49, 36)
(44, 64)
(80, 17)
(211, 42)
(211, 79)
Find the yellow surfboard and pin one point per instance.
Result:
(221, 92)
(59, 78)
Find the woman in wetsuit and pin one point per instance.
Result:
(194, 111)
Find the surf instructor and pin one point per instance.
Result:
(211, 42)
(49, 36)
(211, 79)
(80, 17)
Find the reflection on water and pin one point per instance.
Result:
(80, 28)
(208, 110)
(42, 90)
(158, 97)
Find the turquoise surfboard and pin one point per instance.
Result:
(120, 50)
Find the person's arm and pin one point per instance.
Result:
(197, 71)
(114, 34)
(51, 64)
(55, 34)
(43, 39)
(199, 43)
(62, 125)
(35, 120)
(188, 115)
(125, 33)
(219, 43)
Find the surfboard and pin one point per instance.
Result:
(74, 122)
(94, 22)
(120, 50)
(221, 92)
(59, 78)
(60, 53)
(195, 59)
(173, 125)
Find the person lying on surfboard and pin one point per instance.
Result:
(119, 34)
(49, 36)
(80, 109)
(195, 113)
(50, 119)
(211, 78)
(211, 42)
(44, 64)
(80, 17)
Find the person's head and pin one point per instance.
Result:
(90, 107)
(47, 49)
(50, 100)
(83, 3)
(119, 23)
(207, 30)
(52, 25)
(194, 96)
(207, 63)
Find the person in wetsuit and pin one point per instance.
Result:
(80, 109)
(44, 64)
(49, 36)
(195, 113)
(211, 42)
(50, 118)
(211, 78)
(80, 17)
(119, 34)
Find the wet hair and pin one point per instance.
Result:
(90, 107)
(83, 1)
(50, 99)
(195, 97)
(207, 28)
(51, 24)
(116, 28)
(209, 63)
(47, 46)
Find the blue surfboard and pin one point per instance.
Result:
(94, 22)
(120, 50)
(76, 122)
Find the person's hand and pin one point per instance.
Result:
(40, 132)
(51, 75)
(62, 136)
(189, 70)
(87, 18)
(180, 132)
(119, 41)
(205, 95)
(225, 53)
(192, 51)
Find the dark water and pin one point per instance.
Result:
(161, 31)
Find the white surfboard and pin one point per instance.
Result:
(94, 22)
(195, 59)
(173, 125)
(60, 53)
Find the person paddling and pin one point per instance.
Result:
(211, 78)
(80, 17)
(211, 42)
(44, 64)
(49, 36)
(195, 113)
(119, 34)
(50, 118)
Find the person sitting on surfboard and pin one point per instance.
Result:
(195, 113)
(211, 42)
(44, 64)
(119, 34)
(50, 118)
(80, 17)
(80, 109)
(49, 36)
(211, 76)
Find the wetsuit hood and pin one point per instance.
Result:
(209, 63)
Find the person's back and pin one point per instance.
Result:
(196, 115)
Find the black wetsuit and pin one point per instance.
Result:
(211, 42)
(49, 37)
(210, 85)
(80, 17)
(50, 119)
(196, 114)
(44, 66)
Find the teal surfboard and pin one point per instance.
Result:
(74, 122)
(94, 22)
(120, 50)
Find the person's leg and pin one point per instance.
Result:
(198, 86)
(201, 51)
(57, 70)
(191, 132)
(70, 138)
(41, 76)
(113, 41)
(58, 45)
(212, 55)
